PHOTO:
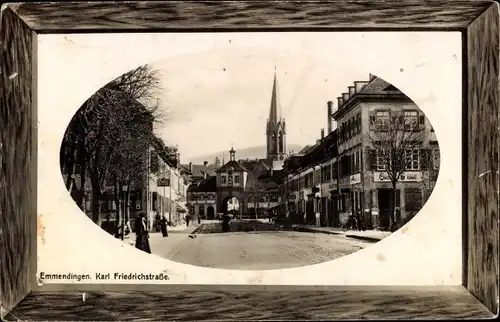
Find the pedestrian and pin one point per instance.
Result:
(199, 220)
(163, 225)
(187, 221)
(225, 223)
(142, 235)
(157, 222)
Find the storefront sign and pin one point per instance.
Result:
(332, 185)
(163, 182)
(344, 181)
(355, 178)
(413, 176)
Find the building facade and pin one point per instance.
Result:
(365, 113)
(167, 187)
(349, 172)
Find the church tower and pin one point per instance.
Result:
(275, 130)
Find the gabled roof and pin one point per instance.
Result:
(305, 149)
(206, 185)
(378, 86)
(234, 164)
(199, 170)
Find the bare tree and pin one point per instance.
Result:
(101, 131)
(397, 144)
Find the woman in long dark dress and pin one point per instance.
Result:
(163, 225)
(142, 239)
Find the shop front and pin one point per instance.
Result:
(405, 201)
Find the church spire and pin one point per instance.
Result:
(275, 130)
(275, 110)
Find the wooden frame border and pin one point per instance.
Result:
(478, 21)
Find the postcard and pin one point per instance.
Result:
(249, 158)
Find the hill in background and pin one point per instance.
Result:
(247, 153)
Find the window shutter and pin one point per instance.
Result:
(421, 120)
(371, 159)
(371, 116)
(425, 158)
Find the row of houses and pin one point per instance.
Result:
(349, 170)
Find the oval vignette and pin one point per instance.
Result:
(276, 205)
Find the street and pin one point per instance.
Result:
(254, 250)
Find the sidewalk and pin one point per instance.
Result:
(153, 236)
(368, 235)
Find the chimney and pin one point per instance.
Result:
(191, 167)
(329, 118)
(351, 91)
(340, 102)
(322, 134)
(205, 163)
(358, 85)
(345, 96)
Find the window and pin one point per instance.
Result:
(359, 122)
(328, 171)
(224, 179)
(317, 176)
(436, 159)
(382, 119)
(413, 199)
(410, 119)
(382, 160)
(201, 211)
(412, 159)
(237, 178)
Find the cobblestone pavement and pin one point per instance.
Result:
(255, 250)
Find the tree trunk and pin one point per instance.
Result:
(96, 203)
(118, 208)
(82, 159)
(393, 209)
(126, 215)
(70, 166)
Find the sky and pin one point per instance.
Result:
(220, 95)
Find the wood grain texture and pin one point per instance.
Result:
(16, 177)
(159, 15)
(483, 149)
(368, 303)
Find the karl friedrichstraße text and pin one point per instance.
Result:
(106, 276)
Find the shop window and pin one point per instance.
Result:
(413, 199)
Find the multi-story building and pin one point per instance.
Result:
(309, 191)
(347, 173)
(367, 111)
(167, 186)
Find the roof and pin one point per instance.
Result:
(305, 149)
(378, 86)
(206, 185)
(234, 164)
(199, 170)
(321, 151)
